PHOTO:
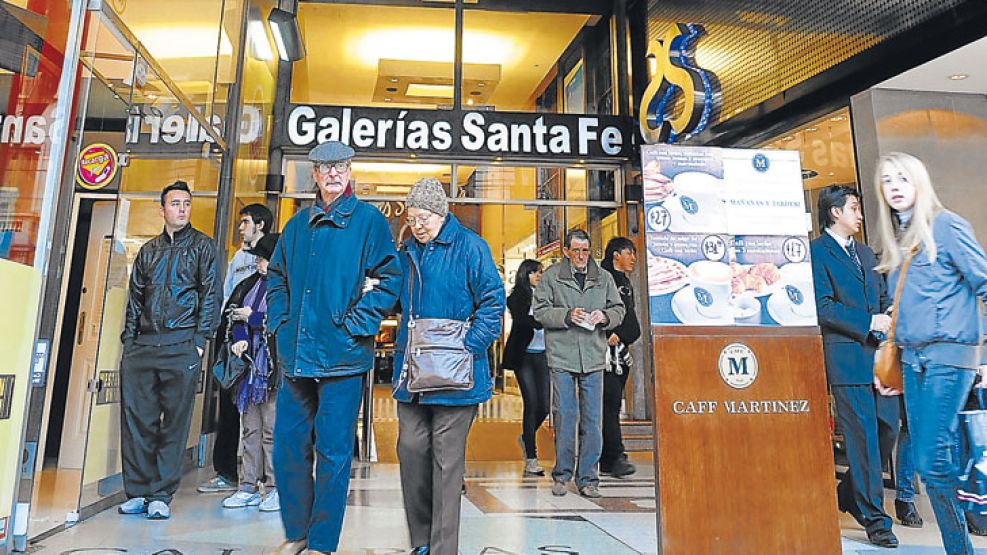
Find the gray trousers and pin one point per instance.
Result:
(257, 423)
(157, 393)
(432, 452)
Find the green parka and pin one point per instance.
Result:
(567, 345)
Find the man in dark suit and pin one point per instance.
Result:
(851, 299)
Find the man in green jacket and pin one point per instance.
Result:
(578, 304)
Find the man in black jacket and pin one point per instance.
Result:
(619, 259)
(170, 313)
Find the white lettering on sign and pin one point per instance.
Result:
(173, 129)
(25, 130)
(772, 406)
(473, 132)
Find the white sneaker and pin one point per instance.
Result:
(133, 506)
(271, 502)
(242, 499)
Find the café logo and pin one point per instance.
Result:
(97, 166)
(682, 98)
(738, 365)
(760, 162)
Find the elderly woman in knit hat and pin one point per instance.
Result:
(452, 301)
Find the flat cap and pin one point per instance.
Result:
(331, 151)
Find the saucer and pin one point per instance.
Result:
(684, 308)
(780, 308)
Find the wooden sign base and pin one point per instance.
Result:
(744, 460)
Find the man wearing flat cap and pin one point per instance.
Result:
(325, 323)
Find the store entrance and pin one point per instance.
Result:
(64, 453)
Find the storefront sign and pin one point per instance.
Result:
(456, 133)
(682, 98)
(727, 239)
(97, 166)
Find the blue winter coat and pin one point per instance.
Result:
(454, 277)
(938, 316)
(325, 325)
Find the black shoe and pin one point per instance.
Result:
(883, 538)
(850, 508)
(907, 514)
(622, 468)
(974, 529)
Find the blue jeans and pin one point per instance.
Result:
(934, 396)
(578, 400)
(321, 414)
(904, 468)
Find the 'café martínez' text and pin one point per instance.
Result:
(793, 406)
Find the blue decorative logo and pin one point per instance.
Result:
(760, 162)
(794, 295)
(690, 206)
(704, 297)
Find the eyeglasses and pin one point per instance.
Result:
(324, 167)
(420, 220)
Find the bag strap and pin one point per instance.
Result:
(897, 292)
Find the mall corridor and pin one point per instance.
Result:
(503, 514)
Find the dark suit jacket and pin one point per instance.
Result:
(846, 298)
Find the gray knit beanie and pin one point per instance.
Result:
(428, 194)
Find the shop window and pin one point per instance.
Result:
(521, 61)
(32, 43)
(362, 55)
(826, 148)
(195, 42)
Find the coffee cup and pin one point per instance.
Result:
(798, 288)
(698, 195)
(711, 287)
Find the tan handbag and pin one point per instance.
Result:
(887, 363)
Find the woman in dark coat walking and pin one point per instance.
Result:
(524, 352)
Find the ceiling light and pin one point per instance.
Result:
(958, 76)
(812, 129)
(388, 99)
(427, 90)
(393, 79)
(481, 84)
(259, 45)
(197, 41)
(789, 138)
(435, 44)
(469, 101)
(837, 118)
(287, 35)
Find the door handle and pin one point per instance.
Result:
(82, 328)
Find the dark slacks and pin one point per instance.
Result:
(535, 381)
(869, 422)
(157, 391)
(613, 440)
(316, 423)
(432, 452)
(224, 450)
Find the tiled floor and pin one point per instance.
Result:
(503, 514)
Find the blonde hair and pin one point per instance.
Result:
(924, 211)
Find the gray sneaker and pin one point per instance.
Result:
(133, 506)
(216, 485)
(158, 510)
(591, 491)
(559, 489)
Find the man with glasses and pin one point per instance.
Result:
(325, 318)
(578, 304)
